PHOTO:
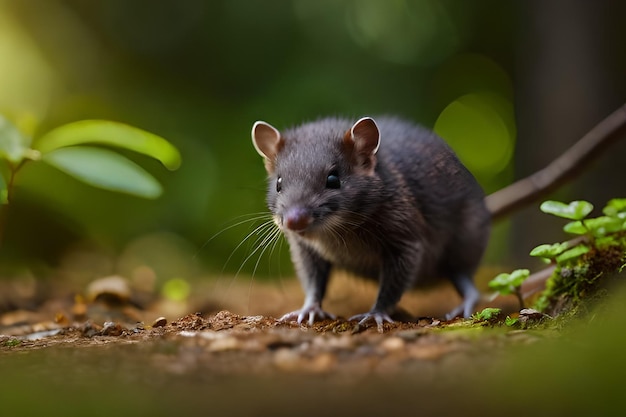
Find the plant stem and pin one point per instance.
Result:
(520, 299)
(4, 208)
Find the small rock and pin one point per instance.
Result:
(89, 329)
(111, 329)
(532, 313)
(393, 344)
(112, 290)
(160, 322)
(529, 314)
(224, 344)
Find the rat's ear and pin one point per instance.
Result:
(364, 139)
(267, 142)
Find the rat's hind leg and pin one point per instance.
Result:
(464, 285)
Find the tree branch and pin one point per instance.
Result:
(564, 168)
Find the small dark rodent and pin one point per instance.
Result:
(386, 200)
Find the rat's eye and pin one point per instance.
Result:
(332, 181)
(279, 184)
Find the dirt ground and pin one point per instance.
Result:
(110, 311)
(110, 349)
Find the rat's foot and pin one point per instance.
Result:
(471, 296)
(466, 308)
(378, 316)
(313, 311)
(458, 310)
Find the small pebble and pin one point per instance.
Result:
(160, 322)
(393, 344)
(112, 289)
(225, 343)
(111, 329)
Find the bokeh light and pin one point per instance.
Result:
(406, 32)
(478, 126)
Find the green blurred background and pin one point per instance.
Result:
(509, 85)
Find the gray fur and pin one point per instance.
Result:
(418, 217)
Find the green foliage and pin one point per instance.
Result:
(549, 251)
(572, 253)
(95, 166)
(12, 342)
(70, 149)
(104, 169)
(104, 132)
(509, 283)
(575, 275)
(511, 321)
(597, 227)
(576, 210)
(505, 284)
(14, 146)
(603, 238)
(616, 208)
(597, 230)
(487, 314)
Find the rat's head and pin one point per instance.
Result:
(321, 174)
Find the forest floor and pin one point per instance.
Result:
(118, 351)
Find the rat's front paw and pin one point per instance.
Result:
(378, 316)
(313, 311)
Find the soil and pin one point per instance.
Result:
(111, 339)
(109, 312)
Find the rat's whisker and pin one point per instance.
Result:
(260, 229)
(252, 217)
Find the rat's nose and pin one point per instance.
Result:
(297, 219)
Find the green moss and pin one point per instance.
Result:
(12, 342)
(584, 279)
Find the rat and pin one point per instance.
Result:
(383, 199)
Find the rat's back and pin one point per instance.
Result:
(441, 185)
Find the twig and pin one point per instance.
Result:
(536, 282)
(564, 168)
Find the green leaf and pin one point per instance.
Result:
(519, 276)
(500, 284)
(549, 251)
(599, 226)
(113, 134)
(13, 145)
(104, 169)
(509, 321)
(576, 210)
(487, 314)
(615, 207)
(576, 228)
(572, 253)
(507, 283)
(603, 225)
